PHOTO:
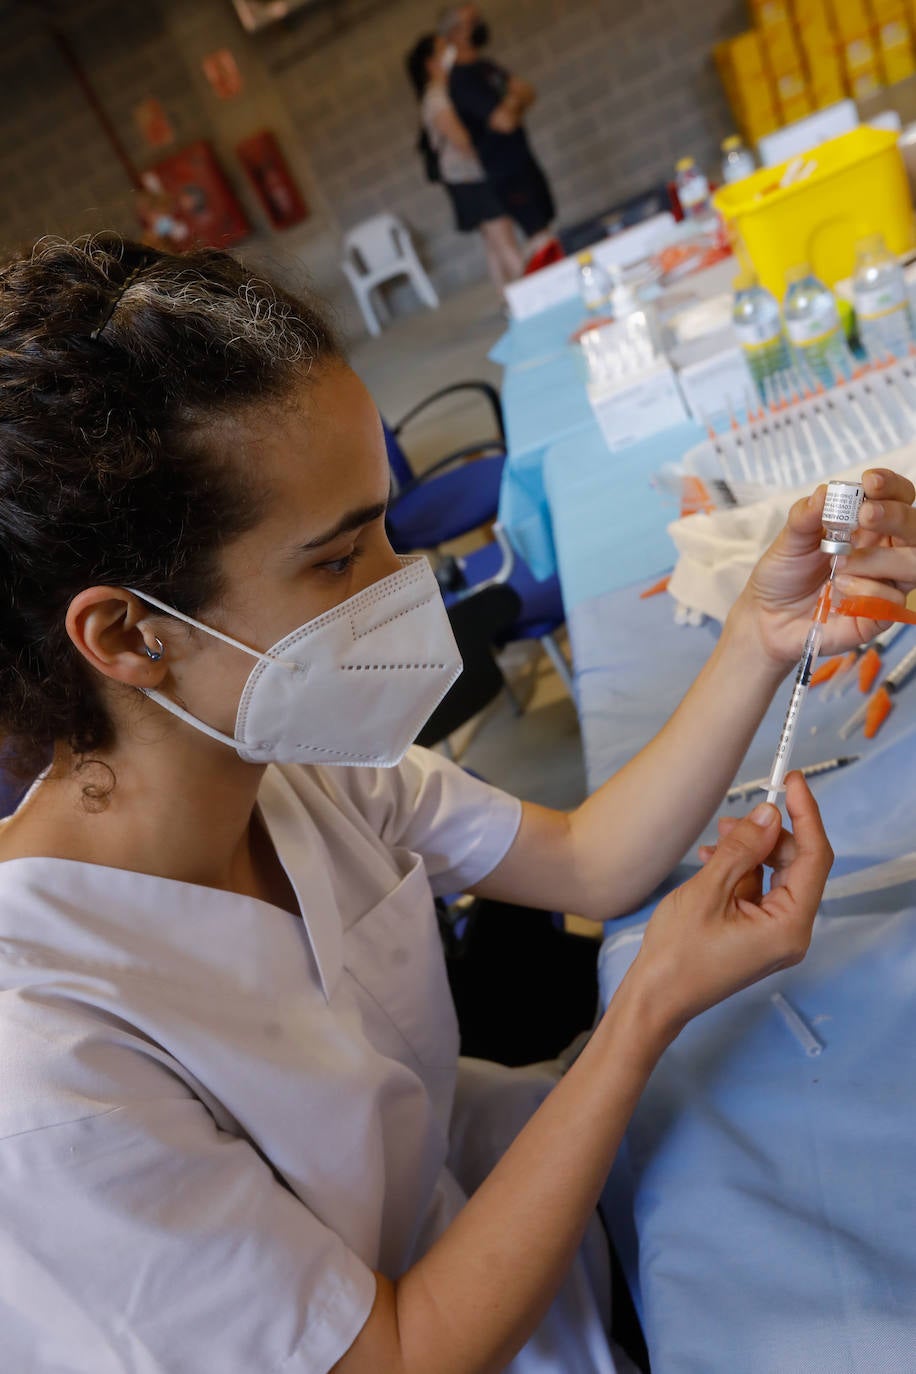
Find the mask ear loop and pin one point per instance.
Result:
(208, 630)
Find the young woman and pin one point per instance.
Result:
(229, 1127)
(474, 202)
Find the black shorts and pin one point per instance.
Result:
(526, 197)
(473, 202)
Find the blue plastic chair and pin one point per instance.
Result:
(459, 493)
(541, 612)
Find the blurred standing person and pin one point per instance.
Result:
(474, 202)
(492, 103)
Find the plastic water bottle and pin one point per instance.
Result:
(594, 283)
(814, 329)
(737, 159)
(693, 190)
(758, 327)
(881, 300)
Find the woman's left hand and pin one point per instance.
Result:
(783, 589)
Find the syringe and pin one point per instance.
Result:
(841, 517)
(800, 691)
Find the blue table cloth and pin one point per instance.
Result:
(540, 337)
(609, 522)
(762, 1201)
(541, 403)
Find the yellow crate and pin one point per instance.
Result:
(766, 12)
(883, 11)
(798, 107)
(897, 63)
(812, 12)
(894, 33)
(824, 92)
(756, 95)
(864, 82)
(758, 123)
(781, 47)
(791, 86)
(858, 186)
(746, 55)
(823, 61)
(858, 54)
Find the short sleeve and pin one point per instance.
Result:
(144, 1236)
(459, 825)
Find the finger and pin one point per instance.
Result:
(850, 584)
(750, 887)
(889, 519)
(808, 871)
(726, 824)
(784, 852)
(748, 844)
(803, 530)
(895, 564)
(705, 852)
(883, 484)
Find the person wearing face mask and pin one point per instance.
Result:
(492, 104)
(235, 1131)
(474, 203)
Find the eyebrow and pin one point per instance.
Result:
(353, 520)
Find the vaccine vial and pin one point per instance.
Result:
(841, 515)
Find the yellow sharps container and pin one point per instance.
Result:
(813, 208)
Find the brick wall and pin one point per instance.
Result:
(623, 90)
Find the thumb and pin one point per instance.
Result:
(802, 531)
(745, 846)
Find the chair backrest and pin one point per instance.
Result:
(397, 459)
(477, 622)
(375, 242)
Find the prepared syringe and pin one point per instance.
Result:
(841, 517)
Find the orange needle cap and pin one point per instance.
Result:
(879, 708)
(869, 669)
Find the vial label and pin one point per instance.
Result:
(842, 504)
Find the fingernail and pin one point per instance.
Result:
(873, 511)
(842, 582)
(763, 815)
(876, 479)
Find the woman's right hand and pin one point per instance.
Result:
(718, 933)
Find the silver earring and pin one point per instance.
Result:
(155, 654)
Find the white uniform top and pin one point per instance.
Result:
(217, 1118)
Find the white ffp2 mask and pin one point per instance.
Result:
(351, 687)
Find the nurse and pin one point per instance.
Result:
(230, 1133)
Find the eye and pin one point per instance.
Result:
(338, 566)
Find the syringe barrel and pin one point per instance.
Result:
(796, 701)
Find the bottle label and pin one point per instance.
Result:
(693, 192)
(822, 321)
(757, 334)
(874, 305)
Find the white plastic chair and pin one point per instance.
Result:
(375, 251)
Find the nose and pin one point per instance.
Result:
(383, 563)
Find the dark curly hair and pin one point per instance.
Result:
(115, 359)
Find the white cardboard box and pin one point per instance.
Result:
(637, 408)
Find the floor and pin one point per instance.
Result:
(536, 755)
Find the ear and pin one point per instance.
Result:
(112, 629)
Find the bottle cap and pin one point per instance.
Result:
(584, 258)
(729, 144)
(684, 164)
